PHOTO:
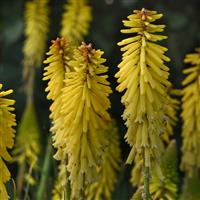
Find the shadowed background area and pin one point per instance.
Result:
(183, 31)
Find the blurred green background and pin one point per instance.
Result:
(183, 31)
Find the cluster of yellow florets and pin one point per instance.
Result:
(7, 133)
(191, 115)
(79, 90)
(143, 76)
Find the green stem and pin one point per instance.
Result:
(28, 183)
(30, 86)
(146, 176)
(20, 179)
(45, 172)
(27, 191)
(14, 190)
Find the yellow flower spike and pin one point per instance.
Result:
(107, 171)
(76, 20)
(85, 103)
(191, 115)
(59, 55)
(143, 76)
(7, 134)
(36, 29)
(27, 145)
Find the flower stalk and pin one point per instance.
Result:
(146, 176)
(45, 172)
(143, 77)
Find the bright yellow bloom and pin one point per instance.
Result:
(27, 147)
(69, 82)
(36, 29)
(191, 115)
(7, 133)
(143, 76)
(59, 55)
(166, 188)
(85, 103)
(76, 20)
(107, 171)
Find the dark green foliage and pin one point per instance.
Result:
(169, 163)
(191, 189)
